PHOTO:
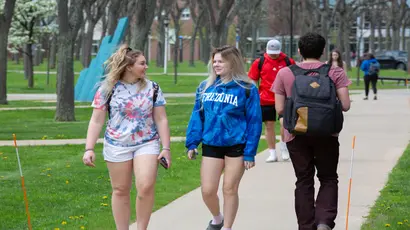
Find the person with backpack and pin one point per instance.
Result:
(311, 97)
(137, 123)
(227, 119)
(371, 69)
(265, 69)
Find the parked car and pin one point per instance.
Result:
(392, 59)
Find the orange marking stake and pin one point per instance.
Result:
(350, 183)
(22, 183)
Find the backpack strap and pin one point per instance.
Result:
(261, 61)
(156, 88)
(287, 60)
(322, 70)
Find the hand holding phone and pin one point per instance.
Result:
(163, 162)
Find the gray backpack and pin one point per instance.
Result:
(313, 108)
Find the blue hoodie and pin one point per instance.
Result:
(225, 121)
(365, 66)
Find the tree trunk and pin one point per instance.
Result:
(113, 14)
(53, 52)
(28, 65)
(380, 36)
(87, 45)
(254, 37)
(346, 44)
(403, 37)
(192, 47)
(17, 58)
(65, 81)
(3, 64)
(5, 21)
(372, 37)
(388, 37)
(143, 18)
(104, 27)
(78, 46)
(69, 26)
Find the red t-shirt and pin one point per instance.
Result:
(284, 82)
(267, 76)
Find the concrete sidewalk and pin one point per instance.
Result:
(266, 191)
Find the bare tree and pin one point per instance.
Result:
(94, 10)
(70, 20)
(249, 16)
(114, 13)
(143, 13)
(163, 10)
(218, 12)
(197, 21)
(5, 20)
(176, 12)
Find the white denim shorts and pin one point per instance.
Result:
(121, 154)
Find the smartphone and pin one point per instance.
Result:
(194, 155)
(164, 163)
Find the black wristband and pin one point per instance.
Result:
(89, 150)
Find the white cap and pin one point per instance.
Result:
(273, 47)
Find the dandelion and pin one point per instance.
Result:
(67, 182)
(387, 225)
(5, 158)
(64, 222)
(76, 217)
(82, 227)
(48, 169)
(1, 153)
(400, 223)
(56, 228)
(44, 137)
(70, 217)
(104, 204)
(67, 166)
(105, 197)
(48, 175)
(405, 221)
(81, 216)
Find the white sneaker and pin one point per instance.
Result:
(272, 158)
(284, 151)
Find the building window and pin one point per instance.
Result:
(186, 14)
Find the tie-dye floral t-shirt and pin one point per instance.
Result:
(131, 120)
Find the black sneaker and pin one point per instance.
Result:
(365, 98)
(215, 226)
(375, 98)
(323, 227)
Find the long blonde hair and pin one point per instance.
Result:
(116, 66)
(236, 64)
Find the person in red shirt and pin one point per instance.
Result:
(265, 70)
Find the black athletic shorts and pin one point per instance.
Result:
(221, 152)
(268, 113)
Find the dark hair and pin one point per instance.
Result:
(370, 56)
(339, 59)
(311, 45)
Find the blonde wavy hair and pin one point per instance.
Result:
(116, 66)
(235, 61)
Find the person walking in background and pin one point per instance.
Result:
(137, 122)
(311, 132)
(335, 59)
(371, 69)
(265, 69)
(227, 119)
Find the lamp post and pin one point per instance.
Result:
(291, 29)
(166, 23)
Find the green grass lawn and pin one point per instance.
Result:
(183, 67)
(391, 210)
(60, 188)
(17, 84)
(38, 124)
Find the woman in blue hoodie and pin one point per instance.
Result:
(371, 68)
(227, 119)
